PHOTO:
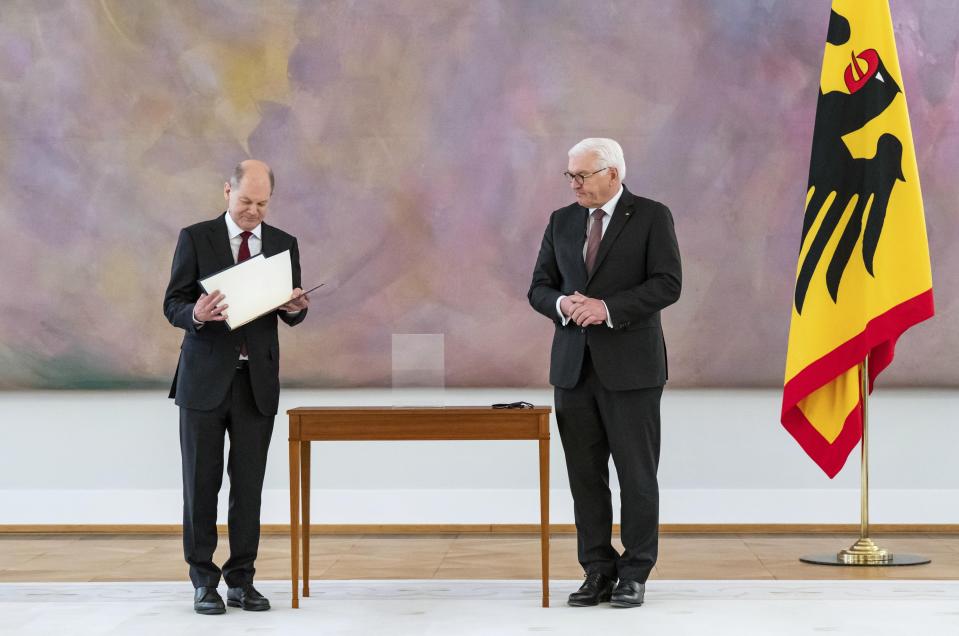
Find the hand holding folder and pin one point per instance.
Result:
(254, 287)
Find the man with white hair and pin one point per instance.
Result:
(608, 265)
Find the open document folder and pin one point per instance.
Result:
(254, 287)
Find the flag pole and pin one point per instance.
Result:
(864, 551)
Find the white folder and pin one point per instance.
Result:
(254, 287)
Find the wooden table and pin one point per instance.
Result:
(308, 424)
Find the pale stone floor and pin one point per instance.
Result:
(479, 584)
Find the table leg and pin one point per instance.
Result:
(544, 513)
(295, 519)
(305, 498)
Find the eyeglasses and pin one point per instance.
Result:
(513, 405)
(580, 178)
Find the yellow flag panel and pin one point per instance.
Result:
(863, 275)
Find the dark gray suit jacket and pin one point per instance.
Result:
(208, 355)
(638, 273)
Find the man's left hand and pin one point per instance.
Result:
(587, 311)
(298, 301)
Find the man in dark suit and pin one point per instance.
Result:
(227, 382)
(607, 265)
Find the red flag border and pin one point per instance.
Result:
(878, 339)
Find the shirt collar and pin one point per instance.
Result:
(235, 230)
(610, 206)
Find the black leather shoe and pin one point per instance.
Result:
(595, 589)
(206, 600)
(247, 598)
(628, 594)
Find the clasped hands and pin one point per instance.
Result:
(583, 310)
(209, 308)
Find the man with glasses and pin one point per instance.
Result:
(608, 265)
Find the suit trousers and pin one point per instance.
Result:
(202, 436)
(594, 423)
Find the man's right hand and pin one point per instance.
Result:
(208, 307)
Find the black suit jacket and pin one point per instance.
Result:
(637, 273)
(208, 355)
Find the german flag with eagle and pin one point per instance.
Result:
(863, 276)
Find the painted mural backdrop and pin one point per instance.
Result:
(418, 147)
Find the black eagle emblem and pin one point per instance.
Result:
(833, 169)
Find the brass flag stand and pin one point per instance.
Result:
(864, 551)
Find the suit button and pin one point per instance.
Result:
(237, 348)
(583, 330)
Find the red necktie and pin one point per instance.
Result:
(595, 236)
(244, 252)
(242, 255)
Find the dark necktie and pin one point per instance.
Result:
(243, 254)
(595, 236)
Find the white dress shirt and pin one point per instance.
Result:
(234, 231)
(609, 208)
(254, 243)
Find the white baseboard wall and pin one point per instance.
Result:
(113, 458)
